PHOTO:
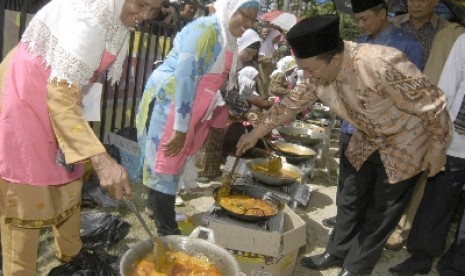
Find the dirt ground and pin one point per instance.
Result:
(321, 205)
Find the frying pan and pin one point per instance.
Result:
(304, 136)
(273, 180)
(254, 193)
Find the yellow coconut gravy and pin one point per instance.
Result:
(242, 204)
(281, 173)
(290, 149)
(177, 264)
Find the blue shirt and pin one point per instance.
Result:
(395, 38)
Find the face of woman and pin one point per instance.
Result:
(136, 11)
(247, 55)
(241, 20)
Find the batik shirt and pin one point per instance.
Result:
(425, 34)
(396, 38)
(394, 107)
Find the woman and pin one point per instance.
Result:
(284, 77)
(267, 53)
(65, 46)
(210, 156)
(180, 101)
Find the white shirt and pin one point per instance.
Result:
(452, 82)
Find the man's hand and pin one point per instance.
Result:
(247, 141)
(175, 144)
(434, 161)
(113, 177)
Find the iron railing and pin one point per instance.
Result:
(119, 102)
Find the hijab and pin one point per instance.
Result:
(224, 10)
(246, 81)
(267, 48)
(247, 39)
(285, 65)
(63, 31)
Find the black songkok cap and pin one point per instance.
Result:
(363, 5)
(314, 36)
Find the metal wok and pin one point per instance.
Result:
(273, 180)
(292, 150)
(304, 136)
(215, 254)
(254, 193)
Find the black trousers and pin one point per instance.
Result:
(368, 209)
(428, 235)
(344, 164)
(453, 262)
(164, 214)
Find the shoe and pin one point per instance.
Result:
(412, 265)
(329, 222)
(321, 261)
(345, 272)
(394, 244)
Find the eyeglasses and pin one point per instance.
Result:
(251, 19)
(419, 2)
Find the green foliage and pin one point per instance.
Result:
(307, 8)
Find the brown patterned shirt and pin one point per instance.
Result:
(425, 34)
(394, 107)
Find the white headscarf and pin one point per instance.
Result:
(267, 49)
(285, 64)
(248, 38)
(246, 81)
(72, 35)
(224, 10)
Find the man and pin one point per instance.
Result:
(428, 235)
(402, 130)
(421, 22)
(437, 37)
(371, 18)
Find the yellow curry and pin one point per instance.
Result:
(177, 264)
(246, 205)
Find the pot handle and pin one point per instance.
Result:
(210, 237)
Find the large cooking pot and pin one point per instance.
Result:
(273, 180)
(253, 192)
(191, 245)
(305, 136)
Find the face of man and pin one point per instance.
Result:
(421, 9)
(320, 71)
(371, 22)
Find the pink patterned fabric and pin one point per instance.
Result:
(28, 146)
(208, 85)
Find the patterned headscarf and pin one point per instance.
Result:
(59, 31)
(224, 10)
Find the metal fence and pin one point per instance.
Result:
(119, 102)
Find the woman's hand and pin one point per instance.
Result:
(112, 176)
(175, 144)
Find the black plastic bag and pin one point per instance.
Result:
(102, 230)
(87, 263)
(94, 195)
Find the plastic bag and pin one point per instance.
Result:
(102, 230)
(93, 195)
(87, 263)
